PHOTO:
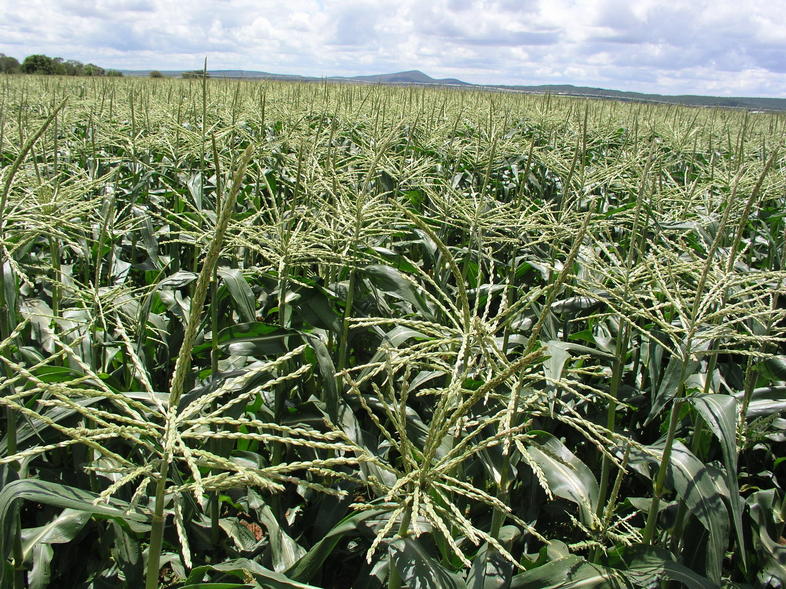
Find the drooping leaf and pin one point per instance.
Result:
(309, 565)
(285, 552)
(61, 529)
(241, 292)
(491, 570)
(244, 568)
(720, 414)
(567, 476)
(703, 493)
(669, 384)
(55, 495)
(646, 565)
(763, 509)
(568, 573)
(418, 570)
(391, 281)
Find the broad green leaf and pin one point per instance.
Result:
(40, 576)
(241, 292)
(697, 486)
(392, 281)
(645, 566)
(720, 414)
(35, 426)
(418, 570)
(669, 385)
(244, 568)
(567, 476)
(491, 570)
(57, 496)
(764, 505)
(251, 339)
(316, 310)
(179, 279)
(63, 528)
(239, 533)
(220, 586)
(196, 188)
(568, 573)
(284, 550)
(328, 372)
(767, 400)
(309, 565)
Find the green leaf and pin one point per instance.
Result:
(179, 279)
(418, 570)
(61, 529)
(720, 414)
(392, 281)
(284, 550)
(315, 309)
(645, 565)
(251, 339)
(57, 496)
(310, 564)
(697, 486)
(243, 568)
(241, 292)
(196, 189)
(763, 510)
(669, 384)
(565, 573)
(328, 372)
(40, 576)
(491, 570)
(219, 586)
(35, 426)
(567, 476)
(767, 400)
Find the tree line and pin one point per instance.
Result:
(51, 66)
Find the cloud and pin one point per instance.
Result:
(696, 46)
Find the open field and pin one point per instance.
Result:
(263, 334)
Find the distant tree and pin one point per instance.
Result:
(156, 74)
(73, 67)
(195, 74)
(92, 69)
(40, 64)
(8, 64)
(43, 64)
(58, 64)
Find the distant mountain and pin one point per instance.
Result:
(409, 77)
(235, 74)
(416, 77)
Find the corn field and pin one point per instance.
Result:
(278, 335)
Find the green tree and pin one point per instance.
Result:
(8, 64)
(92, 69)
(156, 74)
(39, 64)
(73, 67)
(114, 73)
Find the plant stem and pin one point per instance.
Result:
(183, 367)
(660, 479)
(394, 578)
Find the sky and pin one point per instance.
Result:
(718, 47)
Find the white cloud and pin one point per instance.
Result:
(675, 46)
